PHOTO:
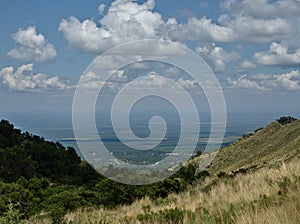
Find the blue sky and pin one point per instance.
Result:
(251, 45)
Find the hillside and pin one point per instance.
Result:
(25, 155)
(266, 196)
(42, 176)
(254, 180)
(266, 146)
(248, 181)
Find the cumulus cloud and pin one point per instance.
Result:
(216, 56)
(232, 27)
(155, 81)
(289, 81)
(247, 20)
(251, 29)
(24, 79)
(245, 66)
(244, 83)
(127, 21)
(31, 46)
(101, 8)
(124, 21)
(264, 9)
(119, 79)
(243, 21)
(278, 54)
(93, 81)
(138, 66)
(201, 30)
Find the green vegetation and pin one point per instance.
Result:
(286, 120)
(42, 176)
(12, 215)
(247, 182)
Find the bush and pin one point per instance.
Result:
(61, 203)
(57, 215)
(12, 215)
(286, 120)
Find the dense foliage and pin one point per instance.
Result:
(37, 175)
(286, 120)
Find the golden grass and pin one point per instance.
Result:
(269, 145)
(286, 213)
(243, 199)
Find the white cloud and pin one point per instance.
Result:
(216, 56)
(290, 81)
(246, 20)
(245, 66)
(201, 30)
(244, 83)
(188, 84)
(85, 35)
(263, 8)
(124, 21)
(118, 76)
(278, 54)
(152, 81)
(269, 82)
(251, 29)
(155, 81)
(138, 66)
(119, 79)
(231, 28)
(127, 20)
(93, 81)
(174, 71)
(101, 8)
(24, 79)
(31, 46)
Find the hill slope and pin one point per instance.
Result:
(270, 194)
(269, 145)
(185, 197)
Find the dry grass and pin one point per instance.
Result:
(243, 199)
(286, 213)
(267, 146)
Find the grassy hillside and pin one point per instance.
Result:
(267, 146)
(254, 180)
(269, 195)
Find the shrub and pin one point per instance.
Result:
(12, 215)
(286, 120)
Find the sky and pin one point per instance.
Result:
(252, 46)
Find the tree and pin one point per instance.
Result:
(286, 120)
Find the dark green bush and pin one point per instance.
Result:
(286, 120)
